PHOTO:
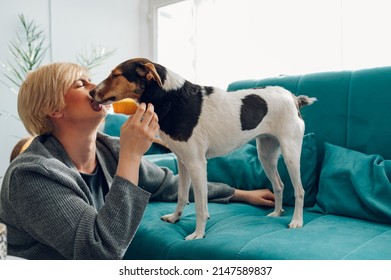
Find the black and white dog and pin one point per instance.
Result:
(199, 122)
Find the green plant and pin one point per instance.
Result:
(28, 50)
(93, 58)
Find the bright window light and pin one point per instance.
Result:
(215, 42)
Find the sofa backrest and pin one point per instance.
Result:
(353, 108)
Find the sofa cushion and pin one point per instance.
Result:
(354, 184)
(369, 112)
(113, 123)
(242, 231)
(242, 169)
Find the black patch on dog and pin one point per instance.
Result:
(253, 110)
(178, 110)
(209, 90)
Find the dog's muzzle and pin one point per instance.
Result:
(95, 96)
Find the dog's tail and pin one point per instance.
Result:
(303, 100)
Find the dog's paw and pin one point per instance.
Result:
(276, 213)
(171, 218)
(296, 224)
(195, 235)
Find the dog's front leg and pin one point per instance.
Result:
(198, 177)
(183, 194)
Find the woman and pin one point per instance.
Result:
(76, 193)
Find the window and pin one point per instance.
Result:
(175, 38)
(215, 42)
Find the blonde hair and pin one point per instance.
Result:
(43, 93)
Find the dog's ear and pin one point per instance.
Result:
(141, 71)
(152, 73)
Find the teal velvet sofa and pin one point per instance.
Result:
(346, 173)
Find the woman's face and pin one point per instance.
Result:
(80, 107)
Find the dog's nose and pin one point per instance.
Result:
(93, 92)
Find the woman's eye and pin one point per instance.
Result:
(78, 84)
(81, 83)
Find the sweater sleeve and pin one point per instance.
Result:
(52, 208)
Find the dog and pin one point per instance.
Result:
(201, 122)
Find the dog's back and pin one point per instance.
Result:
(230, 119)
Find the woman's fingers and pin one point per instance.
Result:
(148, 116)
(138, 116)
(144, 115)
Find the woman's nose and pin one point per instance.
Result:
(91, 85)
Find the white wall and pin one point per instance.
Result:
(73, 26)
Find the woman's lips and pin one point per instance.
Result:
(96, 106)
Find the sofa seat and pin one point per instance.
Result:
(238, 231)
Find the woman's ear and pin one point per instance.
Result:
(56, 114)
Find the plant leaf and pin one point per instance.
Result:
(27, 51)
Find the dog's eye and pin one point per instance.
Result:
(115, 74)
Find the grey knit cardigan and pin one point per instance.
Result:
(49, 210)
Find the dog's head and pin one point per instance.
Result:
(128, 80)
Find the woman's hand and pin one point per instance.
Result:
(261, 197)
(138, 132)
(137, 135)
